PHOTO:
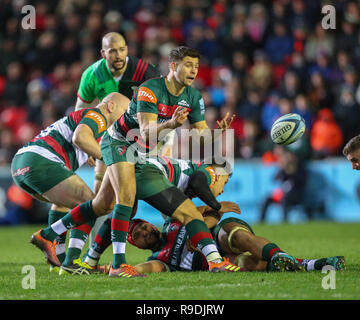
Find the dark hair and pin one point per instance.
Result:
(179, 53)
(352, 145)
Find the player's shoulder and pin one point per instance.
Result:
(96, 70)
(193, 93)
(139, 63)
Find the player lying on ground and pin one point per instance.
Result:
(161, 182)
(45, 167)
(234, 238)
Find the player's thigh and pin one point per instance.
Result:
(229, 228)
(121, 169)
(69, 192)
(122, 178)
(37, 175)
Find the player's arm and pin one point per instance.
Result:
(201, 127)
(81, 104)
(85, 140)
(99, 172)
(86, 91)
(151, 267)
(212, 217)
(149, 128)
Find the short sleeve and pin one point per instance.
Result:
(146, 100)
(96, 121)
(86, 91)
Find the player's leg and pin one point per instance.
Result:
(83, 213)
(122, 177)
(236, 236)
(55, 214)
(162, 195)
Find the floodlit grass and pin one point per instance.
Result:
(312, 240)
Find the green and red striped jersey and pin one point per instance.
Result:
(55, 142)
(97, 81)
(153, 97)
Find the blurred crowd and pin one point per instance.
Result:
(260, 60)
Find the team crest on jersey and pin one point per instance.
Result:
(99, 119)
(121, 150)
(145, 94)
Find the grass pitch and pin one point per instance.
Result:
(312, 240)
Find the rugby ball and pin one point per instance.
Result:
(287, 129)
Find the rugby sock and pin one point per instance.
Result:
(101, 242)
(119, 229)
(54, 216)
(312, 264)
(269, 250)
(81, 214)
(77, 240)
(202, 239)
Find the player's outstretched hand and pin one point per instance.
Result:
(179, 117)
(228, 206)
(225, 122)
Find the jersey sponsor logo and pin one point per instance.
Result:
(21, 171)
(145, 94)
(99, 119)
(183, 103)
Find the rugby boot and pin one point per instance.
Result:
(78, 268)
(224, 266)
(281, 261)
(125, 271)
(47, 247)
(338, 262)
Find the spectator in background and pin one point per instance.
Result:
(256, 24)
(279, 44)
(291, 86)
(347, 113)
(250, 108)
(319, 93)
(292, 179)
(270, 111)
(326, 137)
(14, 93)
(260, 74)
(302, 108)
(319, 41)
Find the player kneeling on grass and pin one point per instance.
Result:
(167, 185)
(234, 238)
